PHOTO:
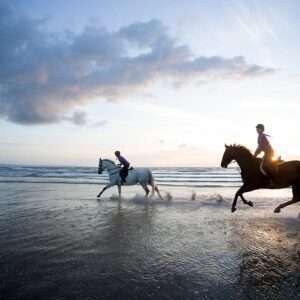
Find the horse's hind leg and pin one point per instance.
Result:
(296, 198)
(158, 193)
(146, 189)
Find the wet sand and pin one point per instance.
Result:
(59, 242)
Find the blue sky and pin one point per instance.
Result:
(166, 82)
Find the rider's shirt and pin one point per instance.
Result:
(124, 162)
(264, 143)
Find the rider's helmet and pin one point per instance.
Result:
(260, 126)
(117, 153)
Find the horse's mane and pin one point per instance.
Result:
(109, 160)
(242, 149)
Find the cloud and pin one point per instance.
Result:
(100, 123)
(182, 146)
(78, 118)
(44, 76)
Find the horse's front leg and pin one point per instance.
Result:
(233, 206)
(250, 203)
(119, 191)
(239, 193)
(104, 189)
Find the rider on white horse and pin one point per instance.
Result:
(124, 164)
(142, 176)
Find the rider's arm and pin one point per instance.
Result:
(262, 142)
(119, 164)
(123, 161)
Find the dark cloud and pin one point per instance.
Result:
(78, 118)
(43, 76)
(182, 146)
(100, 123)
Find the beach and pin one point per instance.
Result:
(59, 242)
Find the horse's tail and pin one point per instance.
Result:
(298, 173)
(154, 186)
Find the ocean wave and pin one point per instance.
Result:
(181, 177)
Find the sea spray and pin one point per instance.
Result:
(194, 196)
(168, 196)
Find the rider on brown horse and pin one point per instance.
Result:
(267, 165)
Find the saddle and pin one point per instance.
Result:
(129, 169)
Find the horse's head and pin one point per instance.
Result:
(235, 152)
(100, 166)
(106, 164)
(228, 157)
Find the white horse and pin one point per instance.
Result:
(142, 176)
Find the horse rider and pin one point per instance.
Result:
(267, 165)
(124, 164)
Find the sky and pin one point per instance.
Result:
(166, 82)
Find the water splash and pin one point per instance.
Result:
(194, 196)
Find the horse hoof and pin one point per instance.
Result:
(250, 203)
(233, 209)
(277, 210)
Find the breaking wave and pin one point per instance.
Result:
(174, 177)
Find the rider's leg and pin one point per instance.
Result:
(123, 174)
(268, 166)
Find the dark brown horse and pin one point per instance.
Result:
(288, 174)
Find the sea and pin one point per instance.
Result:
(169, 177)
(59, 241)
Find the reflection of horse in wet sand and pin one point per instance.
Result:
(288, 174)
(142, 176)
